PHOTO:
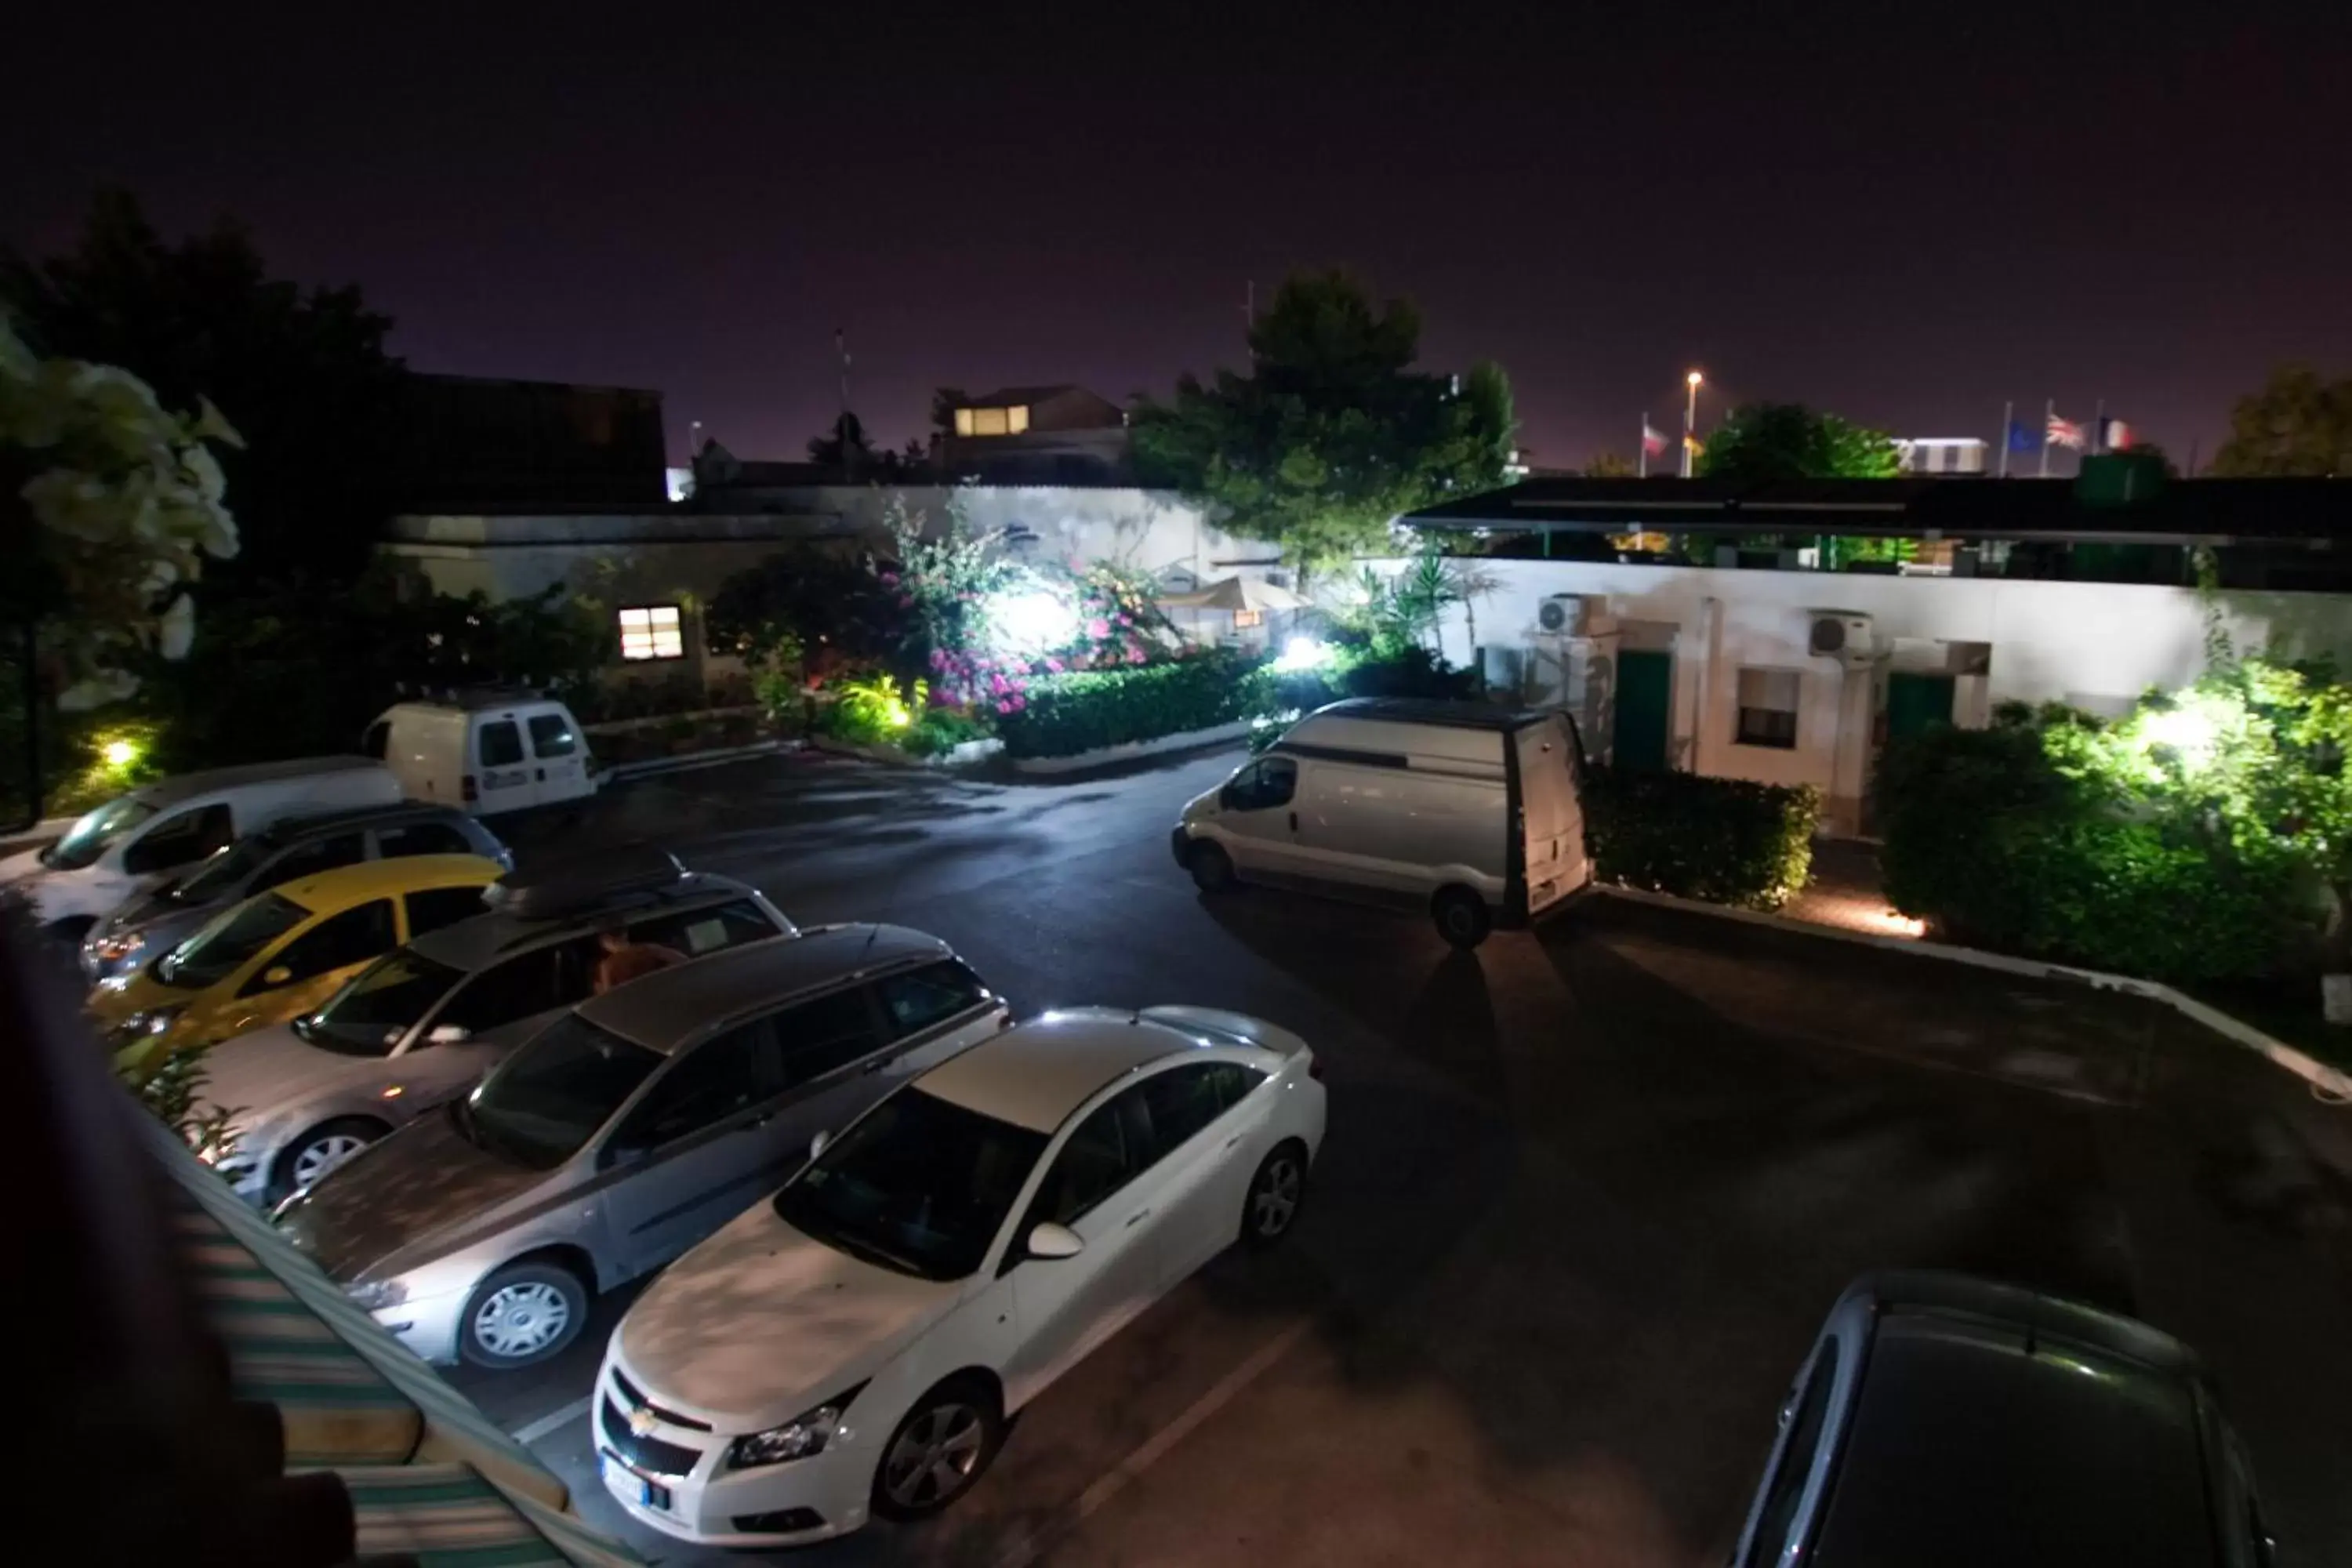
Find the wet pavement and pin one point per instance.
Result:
(1586, 1196)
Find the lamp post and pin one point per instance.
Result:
(1690, 417)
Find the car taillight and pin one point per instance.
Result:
(470, 790)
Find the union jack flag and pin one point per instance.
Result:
(2065, 433)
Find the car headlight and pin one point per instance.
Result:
(797, 1439)
(117, 946)
(377, 1294)
(151, 1022)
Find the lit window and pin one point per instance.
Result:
(963, 421)
(1016, 420)
(1767, 708)
(1249, 617)
(652, 632)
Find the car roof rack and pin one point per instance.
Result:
(613, 880)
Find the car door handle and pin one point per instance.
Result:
(1293, 821)
(1233, 1141)
(873, 1066)
(1137, 1217)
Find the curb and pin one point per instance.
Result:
(1110, 756)
(891, 757)
(624, 773)
(2327, 1083)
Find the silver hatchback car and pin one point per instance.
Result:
(626, 1131)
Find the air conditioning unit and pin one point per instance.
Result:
(1574, 615)
(1846, 637)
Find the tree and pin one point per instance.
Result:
(109, 507)
(844, 446)
(2299, 424)
(1331, 434)
(1611, 465)
(302, 376)
(1766, 441)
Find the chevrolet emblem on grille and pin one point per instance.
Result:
(642, 1422)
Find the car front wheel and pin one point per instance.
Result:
(943, 1447)
(1275, 1193)
(522, 1314)
(318, 1152)
(1212, 868)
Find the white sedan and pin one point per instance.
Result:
(855, 1345)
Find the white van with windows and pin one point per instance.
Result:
(1473, 813)
(130, 844)
(486, 752)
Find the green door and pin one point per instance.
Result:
(1916, 702)
(1645, 692)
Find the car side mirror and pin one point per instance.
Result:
(817, 1144)
(1050, 1240)
(448, 1034)
(276, 974)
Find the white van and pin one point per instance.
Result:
(1471, 813)
(129, 844)
(485, 753)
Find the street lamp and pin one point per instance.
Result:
(1690, 418)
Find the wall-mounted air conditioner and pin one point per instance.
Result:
(1842, 635)
(1574, 615)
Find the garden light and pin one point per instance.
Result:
(1303, 653)
(1028, 621)
(121, 754)
(2187, 732)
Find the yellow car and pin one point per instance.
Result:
(278, 955)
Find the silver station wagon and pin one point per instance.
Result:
(628, 1130)
(423, 1024)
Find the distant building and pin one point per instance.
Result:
(1940, 453)
(1035, 435)
(467, 441)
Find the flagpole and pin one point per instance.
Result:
(1644, 447)
(2008, 418)
(2049, 413)
(2099, 428)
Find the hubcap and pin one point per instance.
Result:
(322, 1156)
(1276, 1198)
(521, 1319)
(934, 1458)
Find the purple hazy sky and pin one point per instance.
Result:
(1905, 221)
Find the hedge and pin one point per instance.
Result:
(1991, 841)
(1084, 710)
(1725, 840)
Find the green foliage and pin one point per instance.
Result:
(1330, 433)
(1611, 465)
(939, 731)
(1408, 671)
(1767, 441)
(1727, 841)
(2300, 423)
(803, 611)
(172, 1091)
(302, 375)
(1086, 709)
(871, 709)
(2199, 838)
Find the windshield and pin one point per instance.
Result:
(86, 841)
(379, 1004)
(221, 874)
(552, 1096)
(919, 1184)
(215, 952)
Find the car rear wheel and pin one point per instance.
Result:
(944, 1446)
(522, 1314)
(1274, 1194)
(320, 1151)
(1212, 868)
(1462, 917)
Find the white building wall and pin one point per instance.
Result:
(2095, 645)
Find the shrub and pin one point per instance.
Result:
(1084, 709)
(1725, 840)
(2053, 835)
(871, 711)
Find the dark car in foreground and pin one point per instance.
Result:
(1944, 1421)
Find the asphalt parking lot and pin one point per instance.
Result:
(1586, 1195)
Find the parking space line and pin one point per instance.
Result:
(554, 1421)
(1030, 1547)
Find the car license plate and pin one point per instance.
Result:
(649, 1493)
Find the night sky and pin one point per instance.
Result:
(1906, 222)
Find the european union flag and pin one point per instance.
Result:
(2022, 437)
